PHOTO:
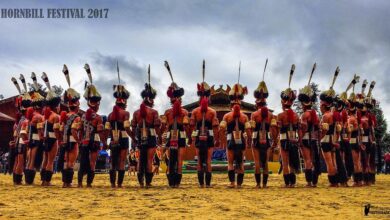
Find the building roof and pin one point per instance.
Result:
(219, 101)
(5, 117)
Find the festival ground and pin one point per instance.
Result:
(161, 202)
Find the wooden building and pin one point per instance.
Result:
(7, 120)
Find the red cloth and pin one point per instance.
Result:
(142, 110)
(236, 111)
(204, 103)
(264, 113)
(387, 158)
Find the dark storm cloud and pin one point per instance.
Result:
(133, 75)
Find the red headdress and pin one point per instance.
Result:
(63, 117)
(29, 113)
(290, 115)
(264, 113)
(314, 117)
(47, 112)
(204, 103)
(142, 110)
(176, 108)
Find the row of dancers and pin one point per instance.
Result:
(344, 133)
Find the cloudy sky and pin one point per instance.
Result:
(351, 34)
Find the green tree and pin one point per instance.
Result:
(385, 143)
(298, 107)
(42, 90)
(57, 89)
(381, 127)
(381, 134)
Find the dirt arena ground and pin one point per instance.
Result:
(190, 202)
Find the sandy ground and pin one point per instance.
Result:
(189, 201)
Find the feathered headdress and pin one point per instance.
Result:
(342, 99)
(36, 98)
(23, 80)
(351, 101)
(261, 92)
(361, 96)
(15, 82)
(19, 99)
(344, 95)
(204, 89)
(52, 99)
(71, 96)
(91, 93)
(307, 95)
(369, 100)
(149, 91)
(174, 91)
(289, 95)
(328, 96)
(25, 100)
(352, 96)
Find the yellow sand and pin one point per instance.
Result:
(190, 202)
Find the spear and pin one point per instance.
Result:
(117, 69)
(66, 73)
(203, 69)
(265, 67)
(291, 74)
(239, 73)
(89, 73)
(149, 74)
(312, 71)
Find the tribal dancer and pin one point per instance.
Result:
(204, 131)
(264, 132)
(288, 122)
(51, 132)
(21, 130)
(146, 127)
(365, 125)
(354, 136)
(118, 125)
(35, 147)
(92, 132)
(71, 133)
(370, 102)
(309, 133)
(235, 127)
(341, 104)
(339, 151)
(330, 129)
(174, 126)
